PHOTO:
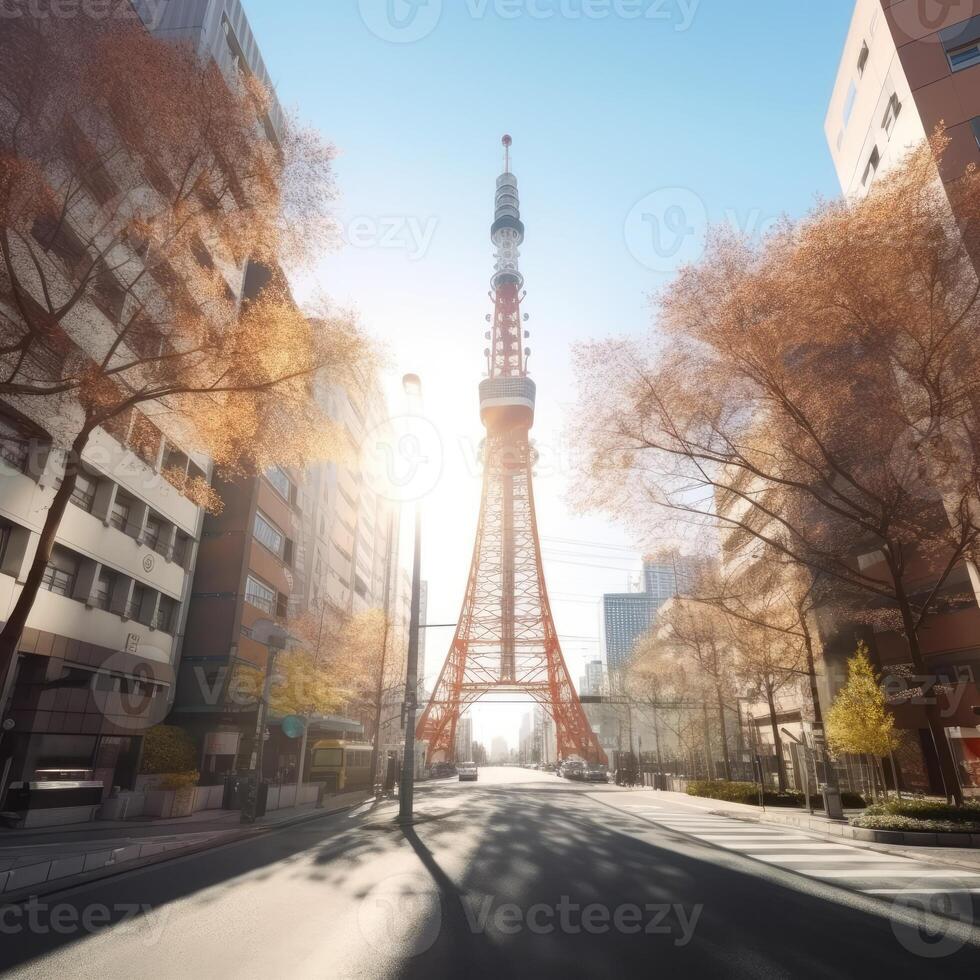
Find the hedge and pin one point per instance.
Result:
(734, 792)
(928, 816)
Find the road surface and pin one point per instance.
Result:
(520, 874)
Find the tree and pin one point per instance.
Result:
(815, 394)
(301, 685)
(859, 722)
(699, 642)
(769, 656)
(168, 749)
(138, 186)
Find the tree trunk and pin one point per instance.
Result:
(820, 756)
(777, 740)
(726, 761)
(13, 629)
(937, 727)
(707, 741)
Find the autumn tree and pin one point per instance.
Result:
(699, 640)
(139, 189)
(815, 393)
(859, 722)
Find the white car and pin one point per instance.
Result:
(467, 770)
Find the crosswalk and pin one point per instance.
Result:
(860, 869)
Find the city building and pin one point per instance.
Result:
(901, 74)
(464, 739)
(525, 741)
(593, 681)
(628, 615)
(499, 751)
(98, 659)
(544, 739)
(317, 546)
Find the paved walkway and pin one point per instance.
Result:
(962, 857)
(38, 856)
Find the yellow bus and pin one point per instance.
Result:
(341, 765)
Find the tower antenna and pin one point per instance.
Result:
(508, 143)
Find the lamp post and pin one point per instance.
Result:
(406, 791)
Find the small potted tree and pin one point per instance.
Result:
(169, 759)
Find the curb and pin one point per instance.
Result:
(55, 885)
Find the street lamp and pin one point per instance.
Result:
(406, 791)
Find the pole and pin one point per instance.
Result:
(406, 791)
(252, 796)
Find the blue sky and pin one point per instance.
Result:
(629, 134)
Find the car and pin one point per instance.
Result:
(442, 770)
(573, 769)
(468, 770)
(596, 774)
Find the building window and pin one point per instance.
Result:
(136, 603)
(260, 595)
(6, 528)
(872, 168)
(166, 617)
(104, 586)
(863, 59)
(181, 542)
(121, 509)
(282, 484)
(892, 110)
(267, 534)
(961, 43)
(282, 605)
(60, 572)
(14, 446)
(83, 495)
(849, 103)
(153, 534)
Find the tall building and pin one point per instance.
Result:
(97, 662)
(628, 615)
(543, 735)
(464, 739)
(525, 743)
(499, 752)
(593, 682)
(290, 546)
(903, 72)
(905, 68)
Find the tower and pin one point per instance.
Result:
(505, 640)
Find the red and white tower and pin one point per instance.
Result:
(505, 640)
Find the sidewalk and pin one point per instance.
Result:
(42, 859)
(959, 857)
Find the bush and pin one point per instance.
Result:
(180, 780)
(733, 792)
(168, 749)
(928, 816)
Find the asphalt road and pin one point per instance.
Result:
(520, 874)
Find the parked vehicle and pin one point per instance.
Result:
(468, 770)
(573, 769)
(442, 770)
(596, 773)
(341, 765)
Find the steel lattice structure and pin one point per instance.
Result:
(505, 640)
